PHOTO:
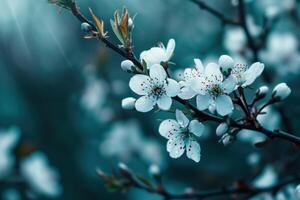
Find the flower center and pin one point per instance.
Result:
(215, 90)
(157, 90)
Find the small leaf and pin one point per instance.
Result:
(99, 24)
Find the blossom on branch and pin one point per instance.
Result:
(244, 76)
(155, 89)
(157, 55)
(212, 89)
(189, 74)
(181, 134)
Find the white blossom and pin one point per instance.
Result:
(266, 178)
(281, 91)
(42, 178)
(128, 103)
(159, 54)
(189, 74)
(155, 89)
(244, 76)
(127, 65)
(181, 134)
(212, 89)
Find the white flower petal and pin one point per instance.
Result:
(213, 73)
(182, 120)
(164, 102)
(153, 56)
(199, 66)
(140, 84)
(224, 105)
(196, 127)
(144, 104)
(229, 85)
(157, 73)
(193, 150)
(203, 101)
(176, 146)
(186, 93)
(252, 73)
(168, 128)
(172, 88)
(170, 49)
(198, 85)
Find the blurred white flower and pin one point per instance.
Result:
(42, 178)
(181, 135)
(272, 8)
(189, 74)
(235, 40)
(156, 55)
(127, 140)
(213, 90)
(282, 50)
(155, 89)
(8, 141)
(253, 159)
(281, 91)
(267, 178)
(94, 95)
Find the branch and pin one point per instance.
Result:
(214, 12)
(126, 178)
(76, 12)
(200, 115)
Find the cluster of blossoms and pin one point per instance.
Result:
(214, 86)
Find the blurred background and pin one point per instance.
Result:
(60, 98)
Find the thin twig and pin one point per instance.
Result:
(216, 13)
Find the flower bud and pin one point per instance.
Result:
(227, 139)
(128, 103)
(281, 91)
(222, 129)
(226, 62)
(85, 27)
(130, 24)
(262, 91)
(154, 170)
(127, 65)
